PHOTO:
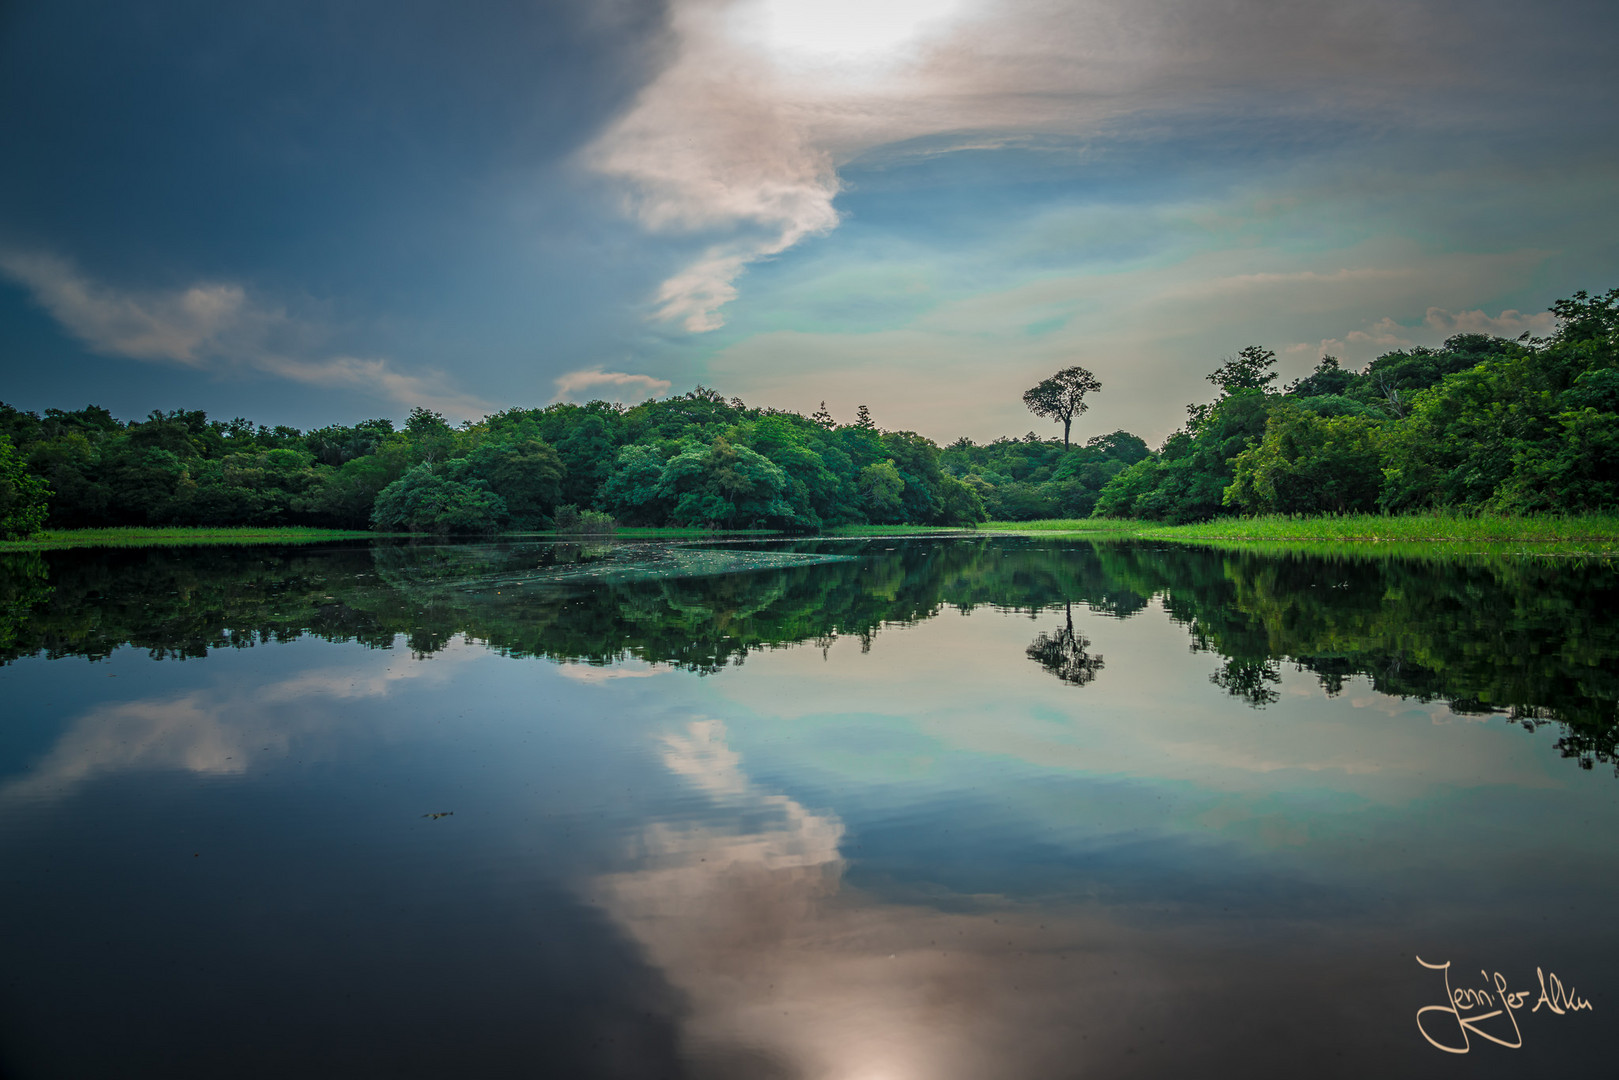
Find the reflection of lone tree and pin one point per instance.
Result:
(1250, 680)
(1063, 654)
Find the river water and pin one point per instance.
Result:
(885, 809)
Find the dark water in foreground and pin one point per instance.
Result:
(970, 808)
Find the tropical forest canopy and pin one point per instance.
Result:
(1480, 423)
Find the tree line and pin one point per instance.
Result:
(692, 460)
(1480, 423)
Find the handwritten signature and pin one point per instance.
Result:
(1490, 1011)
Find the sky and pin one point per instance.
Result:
(312, 213)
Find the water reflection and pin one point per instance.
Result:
(1524, 638)
(796, 809)
(219, 730)
(1063, 652)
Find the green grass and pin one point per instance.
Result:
(1404, 527)
(139, 537)
(1071, 525)
(1410, 533)
(1573, 533)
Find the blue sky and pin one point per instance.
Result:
(310, 213)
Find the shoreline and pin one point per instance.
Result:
(1417, 532)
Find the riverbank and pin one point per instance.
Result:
(1596, 532)
(177, 537)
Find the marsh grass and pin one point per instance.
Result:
(1600, 530)
(1407, 527)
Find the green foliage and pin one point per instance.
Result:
(1309, 464)
(23, 496)
(1252, 369)
(344, 497)
(1029, 478)
(634, 491)
(570, 519)
(1187, 479)
(726, 486)
(1480, 423)
(432, 502)
(881, 491)
(527, 475)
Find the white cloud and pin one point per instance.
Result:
(1510, 323)
(1437, 324)
(744, 131)
(587, 379)
(212, 326)
(178, 326)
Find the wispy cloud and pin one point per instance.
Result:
(182, 326)
(591, 379)
(216, 326)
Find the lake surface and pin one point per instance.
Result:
(858, 810)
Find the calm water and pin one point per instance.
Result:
(869, 810)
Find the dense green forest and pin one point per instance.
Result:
(1479, 424)
(696, 459)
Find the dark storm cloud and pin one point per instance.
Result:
(369, 179)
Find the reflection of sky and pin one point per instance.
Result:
(933, 859)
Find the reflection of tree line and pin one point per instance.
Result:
(1529, 638)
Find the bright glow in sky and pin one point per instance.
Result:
(843, 31)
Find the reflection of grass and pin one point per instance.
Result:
(1070, 525)
(651, 533)
(177, 537)
(1575, 532)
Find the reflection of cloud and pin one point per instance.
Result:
(211, 324)
(746, 911)
(216, 731)
(592, 675)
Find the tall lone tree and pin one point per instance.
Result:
(1062, 397)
